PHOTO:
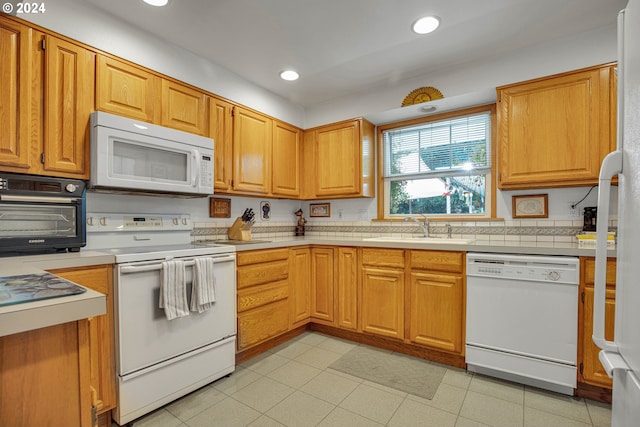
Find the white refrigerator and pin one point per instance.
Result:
(621, 357)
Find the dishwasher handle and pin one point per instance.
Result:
(611, 166)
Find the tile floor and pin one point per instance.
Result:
(292, 386)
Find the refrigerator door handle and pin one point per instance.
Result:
(611, 166)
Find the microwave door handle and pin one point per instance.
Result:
(195, 173)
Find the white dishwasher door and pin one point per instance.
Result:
(522, 316)
(528, 318)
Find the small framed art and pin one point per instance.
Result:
(530, 206)
(320, 209)
(219, 207)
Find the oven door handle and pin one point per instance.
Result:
(158, 266)
(14, 198)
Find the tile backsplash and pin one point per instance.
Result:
(510, 230)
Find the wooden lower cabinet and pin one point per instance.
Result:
(44, 377)
(591, 371)
(263, 296)
(382, 292)
(436, 312)
(300, 286)
(101, 334)
(322, 284)
(346, 293)
(437, 300)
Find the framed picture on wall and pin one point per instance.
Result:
(530, 206)
(320, 209)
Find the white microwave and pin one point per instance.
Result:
(129, 155)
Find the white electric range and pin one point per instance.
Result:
(159, 360)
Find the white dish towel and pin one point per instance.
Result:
(203, 293)
(173, 289)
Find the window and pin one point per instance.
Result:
(439, 166)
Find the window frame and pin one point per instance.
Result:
(490, 210)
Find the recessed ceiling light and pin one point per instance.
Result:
(426, 24)
(156, 2)
(428, 108)
(289, 75)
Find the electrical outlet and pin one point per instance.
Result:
(574, 212)
(340, 213)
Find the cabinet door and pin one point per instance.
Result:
(17, 95)
(300, 281)
(383, 301)
(101, 333)
(251, 151)
(221, 130)
(436, 312)
(184, 108)
(337, 156)
(555, 131)
(591, 370)
(285, 155)
(44, 377)
(322, 284)
(127, 90)
(347, 288)
(69, 100)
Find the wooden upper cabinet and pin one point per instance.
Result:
(252, 136)
(555, 131)
(16, 96)
(184, 108)
(68, 103)
(221, 130)
(338, 160)
(285, 159)
(127, 90)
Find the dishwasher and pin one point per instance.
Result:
(522, 319)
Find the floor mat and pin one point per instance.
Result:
(406, 373)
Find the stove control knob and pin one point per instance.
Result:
(553, 276)
(184, 221)
(175, 221)
(103, 221)
(90, 220)
(71, 188)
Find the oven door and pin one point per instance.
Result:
(41, 224)
(146, 337)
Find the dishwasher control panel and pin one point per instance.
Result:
(524, 267)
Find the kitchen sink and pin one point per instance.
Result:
(430, 240)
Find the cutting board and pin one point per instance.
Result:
(34, 287)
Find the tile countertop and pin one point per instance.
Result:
(528, 248)
(39, 314)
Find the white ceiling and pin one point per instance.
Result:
(343, 47)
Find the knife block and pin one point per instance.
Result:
(239, 230)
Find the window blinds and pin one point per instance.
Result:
(444, 148)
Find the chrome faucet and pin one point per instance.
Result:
(424, 226)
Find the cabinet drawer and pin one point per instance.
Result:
(251, 275)
(253, 257)
(589, 266)
(262, 323)
(261, 295)
(383, 257)
(438, 260)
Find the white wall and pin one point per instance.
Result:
(465, 85)
(482, 77)
(281, 210)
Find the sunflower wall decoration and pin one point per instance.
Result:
(422, 94)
